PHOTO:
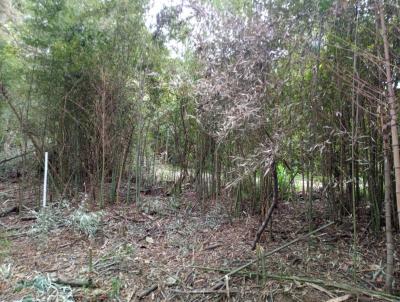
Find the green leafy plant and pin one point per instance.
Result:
(4, 247)
(116, 286)
(285, 179)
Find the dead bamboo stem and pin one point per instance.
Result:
(341, 286)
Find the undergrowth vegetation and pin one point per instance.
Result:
(251, 108)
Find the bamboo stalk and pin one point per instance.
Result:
(391, 100)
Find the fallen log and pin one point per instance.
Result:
(13, 209)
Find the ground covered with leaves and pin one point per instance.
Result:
(177, 249)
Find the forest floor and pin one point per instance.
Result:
(173, 249)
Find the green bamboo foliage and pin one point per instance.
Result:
(121, 114)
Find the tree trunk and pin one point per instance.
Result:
(392, 106)
(388, 215)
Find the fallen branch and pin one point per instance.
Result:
(132, 294)
(212, 247)
(147, 291)
(69, 243)
(205, 292)
(317, 285)
(28, 218)
(17, 235)
(264, 224)
(341, 286)
(340, 299)
(13, 209)
(75, 283)
(321, 289)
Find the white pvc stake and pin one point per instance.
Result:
(46, 159)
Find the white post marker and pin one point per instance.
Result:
(46, 159)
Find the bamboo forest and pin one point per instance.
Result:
(199, 150)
